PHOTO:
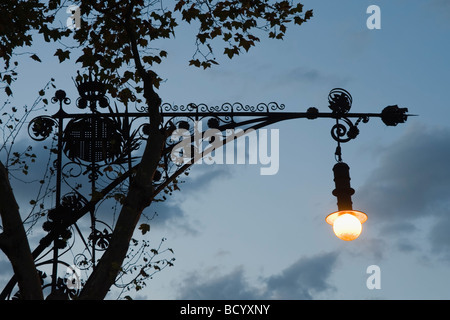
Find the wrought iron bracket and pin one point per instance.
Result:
(96, 141)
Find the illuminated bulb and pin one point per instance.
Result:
(347, 225)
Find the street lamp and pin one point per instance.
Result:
(346, 222)
(101, 144)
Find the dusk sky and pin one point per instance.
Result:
(237, 234)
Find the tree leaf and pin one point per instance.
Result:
(195, 62)
(8, 91)
(144, 227)
(35, 57)
(62, 55)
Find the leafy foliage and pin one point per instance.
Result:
(116, 33)
(18, 21)
(235, 22)
(142, 263)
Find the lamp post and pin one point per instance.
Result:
(99, 141)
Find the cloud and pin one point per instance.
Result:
(410, 189)
(202, 176)
(439, 236)
(308, 75)
(302, 280)
(170, 213)
(413, 178)
(232, 286)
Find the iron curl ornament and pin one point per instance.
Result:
(61, 97)
(226, 107)
(41, 127)
(340, 102)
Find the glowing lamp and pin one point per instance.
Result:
(347, 223)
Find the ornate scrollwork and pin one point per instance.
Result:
(56, 217)
(41, 127)
(71, 169)
(340, 101)
(93, 171)
(191, 121)
(141, 108)
(167, 107)
(92, 92)
(101, 239)
(273, 106)
(82, 262)
(226, 107)
(344, 133)
(73, 202)
(93, 139)
(55, 221)
(60, 96)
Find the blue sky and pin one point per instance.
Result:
(237, 234)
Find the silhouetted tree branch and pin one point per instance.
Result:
(114, 41)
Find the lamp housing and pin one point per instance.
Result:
(346, 222)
